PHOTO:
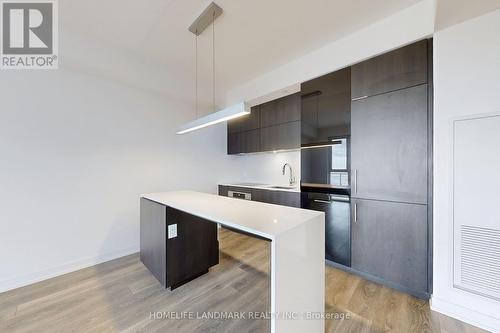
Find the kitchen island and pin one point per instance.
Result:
(297, 248)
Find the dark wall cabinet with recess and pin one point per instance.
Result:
(180, 258)
(270, 126)
(390, 168)
(325, 108)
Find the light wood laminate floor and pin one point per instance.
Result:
(120, 295)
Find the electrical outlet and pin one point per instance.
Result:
(172, 231)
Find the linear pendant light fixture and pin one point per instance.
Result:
(229, 113)
(206, 18)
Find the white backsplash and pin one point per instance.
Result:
(264, 168)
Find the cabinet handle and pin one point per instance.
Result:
(355, 180)
(355, 213)
(322, 201)
(358, 98)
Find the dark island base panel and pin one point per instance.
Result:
(188, 280)
(176, 257)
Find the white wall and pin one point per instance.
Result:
(264, 168)
(466, 82)
(76, 152)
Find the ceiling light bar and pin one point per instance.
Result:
(319, 146)
(226, 114)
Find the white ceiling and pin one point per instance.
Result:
(252, 36)
(451, 12)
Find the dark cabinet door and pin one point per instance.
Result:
(389, 241)
(223, 190)
(193, 250)
(243, 134)
(284, 198)
(325, 107)
(278, 137)
(290, 199)
(235, 125)
(268, 114)
(245, 123)
(243, 142)
(153, 238)
(389, 146)
(251, 121)
(251, 141)
(279, 111)
(234, 143)
(402, 68)
(288, 109)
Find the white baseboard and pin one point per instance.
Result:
(466, 315)
(25, 280)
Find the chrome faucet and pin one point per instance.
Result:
(292, 178)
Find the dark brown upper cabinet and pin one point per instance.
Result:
(269, 127)
(245, 123)
(279, 137)
(325, 108)
(251, 141)
(399, 69)
(243, 142)
(251, 121)
(280, 111)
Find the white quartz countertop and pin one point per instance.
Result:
(262, 219)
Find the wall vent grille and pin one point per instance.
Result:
(480, 260)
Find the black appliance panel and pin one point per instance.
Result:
(337, 209)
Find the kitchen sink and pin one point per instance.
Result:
(283, 187)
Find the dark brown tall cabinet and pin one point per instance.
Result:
(390, 154)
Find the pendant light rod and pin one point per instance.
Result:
(213, 60)
(196, 75)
